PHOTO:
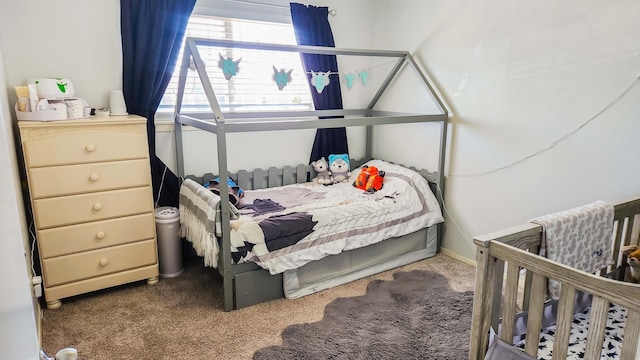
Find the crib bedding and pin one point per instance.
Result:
(612, 345)
(286, 227)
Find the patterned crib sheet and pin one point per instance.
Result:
(579, 330)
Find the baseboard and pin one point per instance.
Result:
(457, 256)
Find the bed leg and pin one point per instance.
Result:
(227, 285)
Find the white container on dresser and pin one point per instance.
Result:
(92, 203)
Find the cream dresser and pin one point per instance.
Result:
(92, 203)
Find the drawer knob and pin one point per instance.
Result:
(90, 148)
(94, 177)
(104, 262)
(97, 206)
(100, 235)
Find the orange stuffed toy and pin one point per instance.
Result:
(632, 274)
(370, 179)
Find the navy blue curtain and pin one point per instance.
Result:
(152, 32)
(311, 26)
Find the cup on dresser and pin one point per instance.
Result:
(117, 104)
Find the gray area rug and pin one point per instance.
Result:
(414, 316)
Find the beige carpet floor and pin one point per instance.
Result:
(182, 318)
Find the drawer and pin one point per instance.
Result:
(76, 209)
(69, 268)
(84, 147)
(77, 179)
(95, 235)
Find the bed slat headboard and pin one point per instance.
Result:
(272, 177)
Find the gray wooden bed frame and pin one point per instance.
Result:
(501, 255)
(247, 284)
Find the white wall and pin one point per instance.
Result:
(18, 335)
(74, 39)
(519, 75)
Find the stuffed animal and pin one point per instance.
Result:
(323, 175)
(339, 167)
(235, 192)
(370, 179)
(632, 274)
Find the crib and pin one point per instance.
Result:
(511, 282)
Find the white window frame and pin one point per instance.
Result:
(167, 116)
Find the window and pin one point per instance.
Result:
(253, 88)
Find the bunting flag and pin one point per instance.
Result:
(281, 77)
(348, 78)
(320, 80)
(364, 75)
(228, 66)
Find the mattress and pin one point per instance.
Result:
(284, 228)
(612, 345)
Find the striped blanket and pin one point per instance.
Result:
(200, 219)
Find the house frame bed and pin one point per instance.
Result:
(501, 256)
(246, 284)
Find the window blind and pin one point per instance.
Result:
(253, 88)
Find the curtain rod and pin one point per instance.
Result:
(332, 12)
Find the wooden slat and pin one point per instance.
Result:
(207, 177)
(244, 180)
(631, 336)
(498, 278)
(618, 240)
(527, 283)
(482, 297)
(626, 209)
(536, 308)
(635, 231)
(563, 322)
(597, 324)
(259, 179)
(301, 173)
(274, 175)
(523, 236)
(509, 306)
(626, 240)
(288, 175)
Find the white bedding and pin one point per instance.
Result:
(342, 217)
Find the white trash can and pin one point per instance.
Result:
(169, 242)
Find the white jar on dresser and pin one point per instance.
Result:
(92, 203)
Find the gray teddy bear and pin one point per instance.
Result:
(323, 175)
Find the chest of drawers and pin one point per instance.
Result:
(92, 203)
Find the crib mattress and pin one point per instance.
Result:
(612, 346)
